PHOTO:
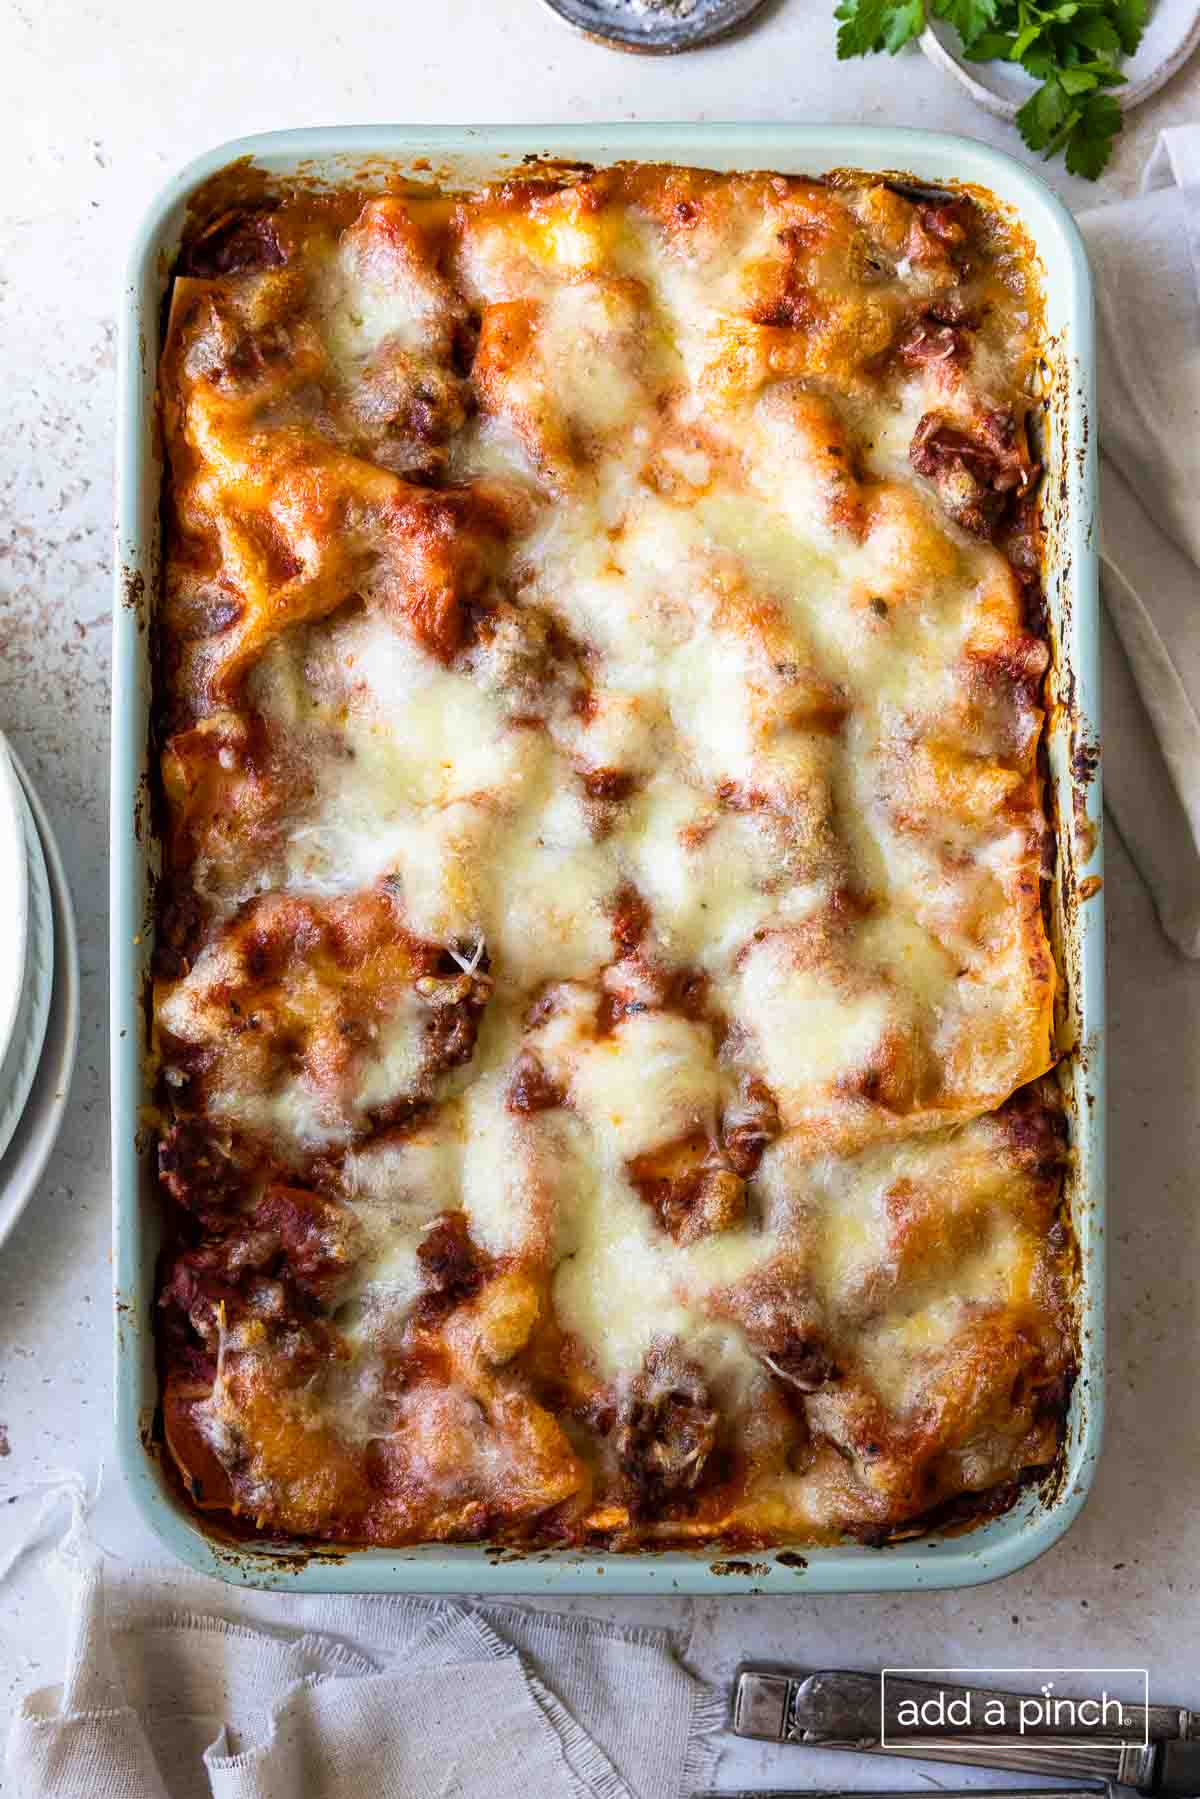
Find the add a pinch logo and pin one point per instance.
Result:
(1050, 1704)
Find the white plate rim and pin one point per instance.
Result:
(14, 940)
(19, 1065)
(24, 1161)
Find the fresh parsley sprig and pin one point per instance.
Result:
(1073, 47)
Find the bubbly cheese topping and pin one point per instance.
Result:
(604, 779)
(622, 1289)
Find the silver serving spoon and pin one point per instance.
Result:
(656, 27)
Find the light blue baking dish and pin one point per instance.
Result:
(464, 155)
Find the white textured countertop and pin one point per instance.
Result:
(98, 104)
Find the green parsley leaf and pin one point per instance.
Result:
(1039, 62)
(1076, 81)
(970, 18)
(1098, 71)
(1026, 40)
(1042, 115)
(1129, 17)
(877, 25)
(992, 46)
(1099, 35)
(1090, 142)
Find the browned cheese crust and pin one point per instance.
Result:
(603, 1013)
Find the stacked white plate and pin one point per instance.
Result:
(39, 988)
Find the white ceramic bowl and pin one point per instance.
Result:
(1171, 35)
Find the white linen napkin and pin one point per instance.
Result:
(178, 1687)
(1145, 256)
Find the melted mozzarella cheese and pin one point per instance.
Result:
(296, 1111)
(398, 1187)
(651, 1081)
(503, 1185)
(410, 733)
(375, 290)
(622, 1286)
(811, 1025)
(711, 876)
(396, 1058)
(551, 884)
(812, 802)
(584, 324)
(901, 1353)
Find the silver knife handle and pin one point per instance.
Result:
(840, 1709)
(1072, 1792)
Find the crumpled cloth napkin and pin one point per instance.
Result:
(1145, 256)
(178, 1687)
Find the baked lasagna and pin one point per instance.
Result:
(602, 1001)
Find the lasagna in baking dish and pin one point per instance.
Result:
(602, 1000)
